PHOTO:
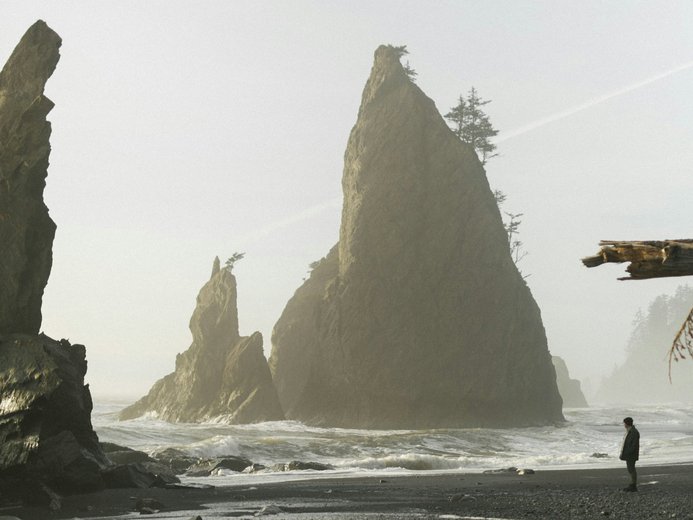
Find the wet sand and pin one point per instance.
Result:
(664, 492)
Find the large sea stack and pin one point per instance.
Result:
(222, 374)
(26, 230)
(46, 437)
(418, 318)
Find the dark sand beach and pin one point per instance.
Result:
(664, 492)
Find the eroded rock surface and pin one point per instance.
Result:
(46, 434)
(418, 318)
(570, 390)
(222, 373)
(26, 230)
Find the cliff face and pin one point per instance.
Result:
(570, 390)
(418, 318)
(26, 230)
(221, 374)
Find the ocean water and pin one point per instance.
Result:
(666, 437)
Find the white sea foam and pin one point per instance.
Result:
(667, 437)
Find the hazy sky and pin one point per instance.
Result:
(185, 130)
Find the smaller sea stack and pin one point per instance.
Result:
(222, 374)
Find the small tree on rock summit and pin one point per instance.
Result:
(232, 260)
(401, 50)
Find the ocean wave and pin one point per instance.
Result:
(667, 436)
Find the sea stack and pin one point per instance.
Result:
(570, 390)
(26, 230)
(418, 317)
(222, 375)
(46, 438)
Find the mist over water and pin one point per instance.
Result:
(666, 430)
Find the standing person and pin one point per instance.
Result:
(630, 452)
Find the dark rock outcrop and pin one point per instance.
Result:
(124, 455)
(46, 434)
(221, 374)
(26, 230)
(207, 467)
(139, 475)
(418, 318)
(570, 390)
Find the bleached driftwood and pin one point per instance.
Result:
(654, 259)
(648, 259)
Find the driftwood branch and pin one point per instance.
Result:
(654, 259)
(648, 259)
(683, 342)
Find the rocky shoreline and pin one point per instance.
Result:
(555, 494)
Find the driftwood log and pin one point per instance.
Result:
(648, 259)
(654, 259)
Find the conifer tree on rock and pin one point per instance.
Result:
(473, 126)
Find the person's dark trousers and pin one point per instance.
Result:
(630, 466)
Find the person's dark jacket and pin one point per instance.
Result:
(631, 445)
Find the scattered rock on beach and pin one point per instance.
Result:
(461, 497)
(237, 464)
(269, 510)
(315, 466)
(123, 455)
(297, 465)
(178, 461)
(206, 467)
(147, 506)
(136, 476)
(525, 471)
(190, 485)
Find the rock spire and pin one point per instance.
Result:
(26, 230)
(570, 389)
(418, 317)
(222, 373)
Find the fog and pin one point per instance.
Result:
(187, 130)
(638, 379)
